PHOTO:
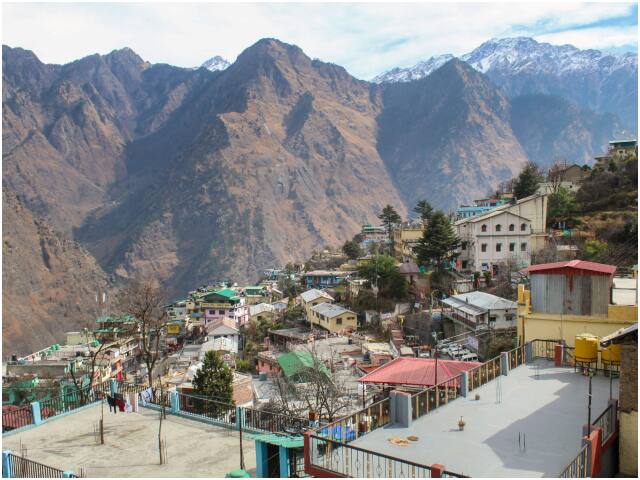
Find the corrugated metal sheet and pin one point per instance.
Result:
(570, 294)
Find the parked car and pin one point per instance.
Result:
(469, 357)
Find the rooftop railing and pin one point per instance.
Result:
(579, 467)
(15, 466)
(483, 374)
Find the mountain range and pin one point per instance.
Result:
(599, 81)
(192, 175)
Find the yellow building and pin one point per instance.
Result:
(333, 318)
(570, 298)
(404, 239)
(313, 297)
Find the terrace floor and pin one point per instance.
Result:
(194, 449)
(547, 404)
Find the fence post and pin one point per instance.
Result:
(284, 461)
(37, 415)
(239, 418)
(504, 363)
(113, 385)
(6, 464)
(528, 352)
(175, 402)
(436, 470)
(464, 384)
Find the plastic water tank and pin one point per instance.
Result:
(586, 348)
(611, 354)
(263, 376)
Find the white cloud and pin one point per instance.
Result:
(598, 37)
(365, 38)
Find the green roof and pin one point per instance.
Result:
(293, 362)
(286, 441)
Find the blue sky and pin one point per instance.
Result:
(365, 38)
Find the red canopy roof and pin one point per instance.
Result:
(417, 371)
(560, 267)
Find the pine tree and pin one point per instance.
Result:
(425, 210)
(389, 217)
(214, 380)
(352, 249)
(438, 243)
(527, 182)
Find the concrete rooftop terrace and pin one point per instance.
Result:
(194, 449)
(548, 405)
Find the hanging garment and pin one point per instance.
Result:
(120, 404)
(146, 396)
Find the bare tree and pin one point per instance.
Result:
(555, 175)
(314, 388)
(144, 301)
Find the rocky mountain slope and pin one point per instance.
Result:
(595, 80)
(447, 137)
(551, 128)
(190, 176)
(215, 63)
(276, 157)
(49, 282)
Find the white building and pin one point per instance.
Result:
(224, 329)
(478, 310)
(490, 240)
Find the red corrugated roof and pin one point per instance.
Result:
(573, 264)
(417, 371)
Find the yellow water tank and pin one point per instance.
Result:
(586, 348)
(611, 354)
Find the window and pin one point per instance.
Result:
(464, 264)
(220, 312)
(483, 247)
(523, 247)
(339, 321)
(498, 227)
(463, 246)
(512, 247)
(523, 227)
(512, 228)
(483, 228)
(498, 247)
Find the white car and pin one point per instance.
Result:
(469, 357)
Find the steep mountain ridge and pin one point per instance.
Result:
(595, 80)
(455, 130)
(49, 282)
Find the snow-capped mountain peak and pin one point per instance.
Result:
(418, 71)
(520, 54)
(215, 63)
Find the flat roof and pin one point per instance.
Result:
(194, 449)
(548, 404)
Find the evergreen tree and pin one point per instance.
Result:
(352, 249)
(390, 282)
(425, 210)
(527, 182)
(214, 380)
(389, 217)
(438, 243)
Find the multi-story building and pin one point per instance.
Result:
(372, 234)
(493, 239)
(313, 297)
(479, 207)
(325, 278)
(333, 318)
(480, 310)
(405, 238)
(212, 306)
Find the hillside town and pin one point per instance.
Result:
(513, 309)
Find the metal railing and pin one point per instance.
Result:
(482, 374)
(606, 421)
(272, 422)
(16, 418)
(19, 467)
(544, 348)
(350, 461)
(363, 421)
(516, 357)
(207, 408)
(431, 398)
(579, 466)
